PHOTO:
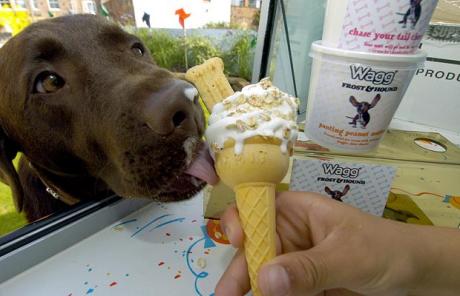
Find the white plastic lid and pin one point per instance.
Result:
(408, 60)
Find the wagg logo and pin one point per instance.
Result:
(367, 74)
(344, 172)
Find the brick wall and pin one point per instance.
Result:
(245, 17)
(122, 11)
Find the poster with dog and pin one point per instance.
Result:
(364, 186)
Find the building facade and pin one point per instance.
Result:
(121, 11)
(245, 13)
(15, 15)
(40, 9)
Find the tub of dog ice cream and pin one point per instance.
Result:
(354, 95)
(390, 27)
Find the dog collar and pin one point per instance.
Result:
(54, 191)
(59, 194)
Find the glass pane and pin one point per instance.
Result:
(177, 37)
(21, 3)
(304, 25)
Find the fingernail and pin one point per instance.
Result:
(227, 231)
(275, 281)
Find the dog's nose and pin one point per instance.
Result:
(173, 107)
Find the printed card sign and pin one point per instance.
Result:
(364, 186)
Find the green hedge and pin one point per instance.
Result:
(169, 51)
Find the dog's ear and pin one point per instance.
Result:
(353, 101)
(375, 101)
(8, 173)
(345, 190)
(328, 191)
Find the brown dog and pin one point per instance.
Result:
(93, 115)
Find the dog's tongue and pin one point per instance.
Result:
(203, 167)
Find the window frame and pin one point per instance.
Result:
(36, 242)
(86, 5)
(54, 8)
(16, 5)
(34, 4)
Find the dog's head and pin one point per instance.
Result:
(79, 96)
(363, 107)
(337, 194)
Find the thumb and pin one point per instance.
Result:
(297, 273)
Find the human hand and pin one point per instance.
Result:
(326, 248)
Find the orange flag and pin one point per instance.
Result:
(182, 16)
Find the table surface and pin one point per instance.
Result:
(161, 249)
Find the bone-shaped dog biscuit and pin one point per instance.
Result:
(210, 81)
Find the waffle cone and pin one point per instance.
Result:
(256, 207)
(253, 175)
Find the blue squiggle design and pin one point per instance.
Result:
(168, 222)
(208, 243)
(200, 275)
(125, 222)
(150, 223)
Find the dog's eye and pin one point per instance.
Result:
(48, 82)
(138, 49)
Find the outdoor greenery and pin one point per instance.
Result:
(221, 25)
(239, 59)
(169, 55)
(199, 49)
(9, 219)
(236, 50)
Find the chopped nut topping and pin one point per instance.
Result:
(240, 100)
(265, 116)
(241, 110)
(265, 83)
(255, 101)
(252, 122)
(241, 125)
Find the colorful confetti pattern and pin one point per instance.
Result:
(162, 249)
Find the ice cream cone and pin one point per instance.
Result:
(251, 134)
(253, 175)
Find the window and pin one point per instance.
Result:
(237, 2)
(34, 4)
(5, 3)
(254, 3)
(53, 4)
(71, 7)
(90, 7)
(21, 4)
